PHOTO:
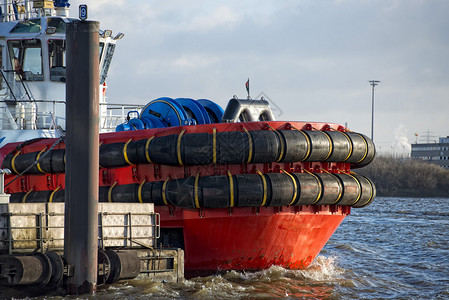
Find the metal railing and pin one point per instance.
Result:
(39, 235)
(115, 114)
(111, 115)
(129, 239)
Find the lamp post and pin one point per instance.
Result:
(373, 83)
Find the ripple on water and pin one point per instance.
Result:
(396, 248)
(316, 282)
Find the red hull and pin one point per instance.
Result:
(251, 238)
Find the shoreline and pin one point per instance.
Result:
(407, 178)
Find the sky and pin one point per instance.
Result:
(311, 59)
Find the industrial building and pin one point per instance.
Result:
(436, 153)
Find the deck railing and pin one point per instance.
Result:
(43, 229)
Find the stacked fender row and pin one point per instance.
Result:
(39, 269)
(232, 147)
(47, 269)
(243, 190)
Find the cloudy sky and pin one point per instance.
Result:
(312, 59)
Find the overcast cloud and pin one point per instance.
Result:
(313, 59)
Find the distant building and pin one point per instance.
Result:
(435, 153)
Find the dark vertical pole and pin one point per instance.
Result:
(372, 113)
(81, 181)
(373, 83)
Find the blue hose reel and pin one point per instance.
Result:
(168, 112)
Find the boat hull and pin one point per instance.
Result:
(252, 238)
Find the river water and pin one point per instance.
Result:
(396, 248)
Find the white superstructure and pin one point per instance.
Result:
(33, 66)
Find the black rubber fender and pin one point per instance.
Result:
(363, 150)
(297, 145)
(240, 190)
(309, 188)
(352, 189)
(320, 145)
(341, 146)
(368, 192)
(332, 189)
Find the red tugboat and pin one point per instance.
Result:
(235, 189)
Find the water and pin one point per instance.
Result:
(396, 248)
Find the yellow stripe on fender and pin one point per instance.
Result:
(330, 144)
(110, 192)
(139, 191)
(250, 145)
(50, 200)
(319, 185)
(178, 147)
(147, 148)
(350, 146)
(164, 187)
(281, 141)
(366, 148)
(231, 189)
(37, 159)
(197, 202)
(125, 155)
(264, 182)
(308, 143)
(295, 192)
(26, 195)
(360, 188)
(13, 162)
(214, 146)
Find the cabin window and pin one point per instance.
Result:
(26, 59)
(57, 23)
(27, 26)
(57, 60)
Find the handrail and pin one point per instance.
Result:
(42, 224)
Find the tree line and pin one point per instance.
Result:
(406, 177)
